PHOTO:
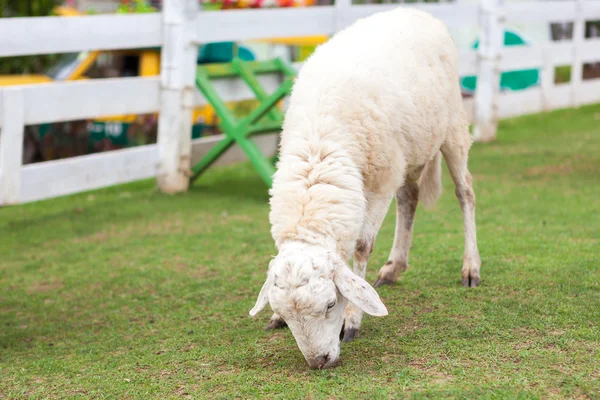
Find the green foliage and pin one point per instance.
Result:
(127, 293)
(135, 6)
(26, 8)
(562, 74)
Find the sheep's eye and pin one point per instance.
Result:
(330, 305)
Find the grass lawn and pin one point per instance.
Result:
(129, 293)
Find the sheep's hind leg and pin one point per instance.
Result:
(456, 154)
(377, 207)
(407, 199)
(276, 322)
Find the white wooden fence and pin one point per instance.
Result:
(181, 27)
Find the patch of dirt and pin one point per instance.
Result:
(437, 377)
(179, 265)
(159, 228)
(583, 240)
(516, 258)
(561, 170)
(524, 345)
(188, 348)
(523, 331)
(45, 286)
(187, 391)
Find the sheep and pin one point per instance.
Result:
(370, 116)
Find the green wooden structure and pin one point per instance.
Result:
(265, 118)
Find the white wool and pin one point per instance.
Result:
(363, 112)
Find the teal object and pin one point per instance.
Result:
(510, 80)
(223, 52)
(116, 132)
(197, 130)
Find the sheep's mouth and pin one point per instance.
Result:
(332, 364)
(328, 364)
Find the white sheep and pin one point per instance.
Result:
(370, 115)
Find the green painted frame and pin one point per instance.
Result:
(240, 131)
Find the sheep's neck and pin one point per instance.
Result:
(317, 197)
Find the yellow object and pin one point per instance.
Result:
(11, 80)
(296, 40)
(66, 11)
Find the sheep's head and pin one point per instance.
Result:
(309, 287)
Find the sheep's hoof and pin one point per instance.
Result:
(383, 281)
(470, 282)
(350, 334)
(275, 324)
(388, 274)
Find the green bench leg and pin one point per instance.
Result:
(264, 168)
(210, 157)
(240, 131)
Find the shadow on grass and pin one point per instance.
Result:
(232, 183)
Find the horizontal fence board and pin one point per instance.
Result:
(467, 63)
(48, 35)
(529, 57)
(260, 24)
(536, 11)
(511, 104)
(589, 91)
(521, 57)
(78, 174)
(561, 96)
(529, 101)
(591, 9)
(590, 49)
(453, 15)
(266, 143)
(65, 101)
(560, 53)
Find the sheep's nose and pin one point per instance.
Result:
(322, 362)
(318, 362)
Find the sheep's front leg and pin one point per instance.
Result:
(377, 207)
(276, 322)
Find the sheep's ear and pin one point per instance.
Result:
(263, 297)
(358, 291)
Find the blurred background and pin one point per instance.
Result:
(66, 139)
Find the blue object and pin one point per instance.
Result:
(222, 52)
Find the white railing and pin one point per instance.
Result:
(181, 27)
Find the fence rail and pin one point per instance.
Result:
(180, 27)
(48, 35)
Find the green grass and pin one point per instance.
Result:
(128, 293)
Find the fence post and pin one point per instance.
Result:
(547, 78)
(577, 67)
(12, 118)
(177, 79)
(339, 17)
(491, 41)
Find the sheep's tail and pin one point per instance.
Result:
(430, 182)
